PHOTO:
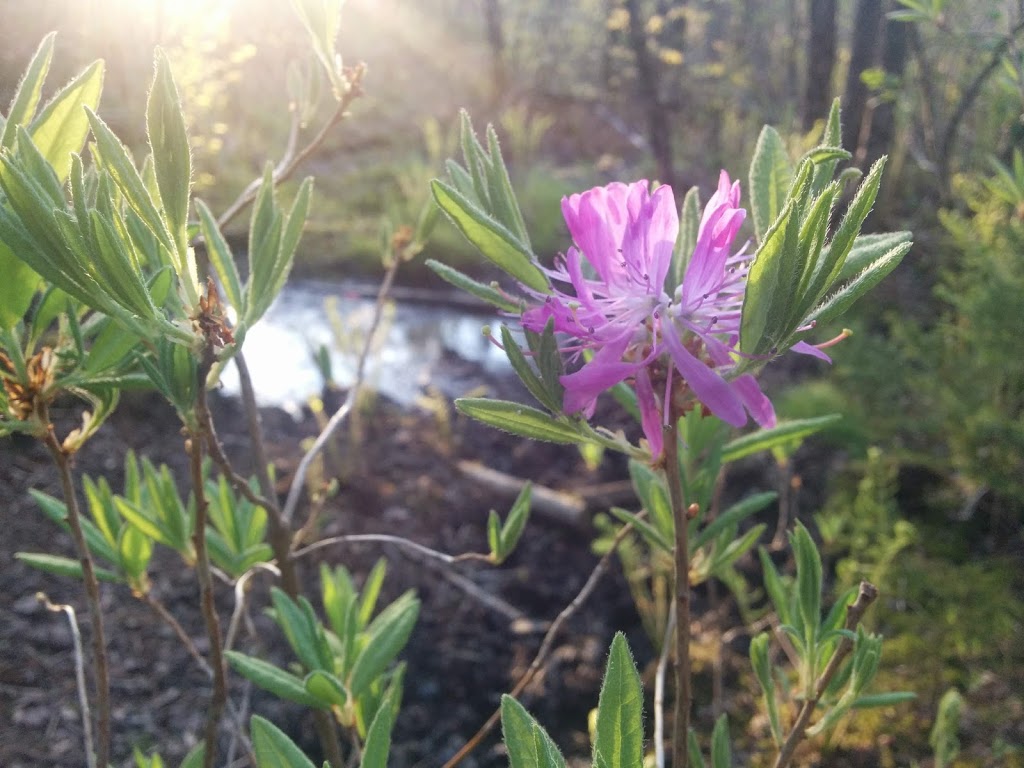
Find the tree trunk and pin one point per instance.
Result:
(821, 60)
(863, 53)
(883, 118)
(659, 123)
(496, 42)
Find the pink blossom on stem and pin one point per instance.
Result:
(668, 346)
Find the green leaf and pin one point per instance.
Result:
(378, 736)
(761, 662)
(273, 748)
(774, 587)
(16, 289)
(494, 535)
(869, 248)
(265, 226)
(63, 566)
(56, 511)
(828, 268)
(648, 531)
(732, 516)
(779, 435)
(195, 757)
(322, 19)
(282, 684)
(693, 750)
(808, 577)
(385, 638)
(729, 550)
(548, 358)
(528, 744)
(465, 283)
(653, 495)
(172, 158)
(326, 687)
(371, 591)
(883, 699)
(518, 419)
(526, 373)
(503, 198)
(844, 298)
(492, 239)
(26, 98)
(764, 305)
(721, 754)
(62, 126)
(475, 158)
(135, 549)
(770, 176)
(689, 226)
(221, 258)
(515, 522)
(297, 629)
(116, 161)
(618, 742)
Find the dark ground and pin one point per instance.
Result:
(464, 651)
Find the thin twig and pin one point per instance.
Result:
(350, 400)
(867, 595)
(83, 696)
(240, 592)
(92, 593)
(292, 159)
(659, 689)
(970, 95)
(545, 646)
(194, 448)
(681, 720)
(168, 618)
(387, 538)
(239, 483)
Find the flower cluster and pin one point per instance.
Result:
(676, 344)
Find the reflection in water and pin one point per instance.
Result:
(414, 342)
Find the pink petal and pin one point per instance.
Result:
(583, 386)
(755, 400)
(710, 388)
(650, 413)
(809, 349)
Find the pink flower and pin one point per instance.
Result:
(620, 308)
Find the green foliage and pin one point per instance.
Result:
(943, 737)
(347, 665)
(618, 734)
(273, 748)
(866, 526)
(503, 537)
(797, 264)
(122, 529)
(528, 744)
(812, 642)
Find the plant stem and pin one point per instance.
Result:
(865, 597)
(280, 538)
(83, 696)
(92, 596)
(194, 449)
(681, 722)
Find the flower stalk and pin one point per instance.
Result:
(680, 514)
(101, 666)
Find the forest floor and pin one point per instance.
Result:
(401, 476)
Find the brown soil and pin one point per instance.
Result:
(463, 654)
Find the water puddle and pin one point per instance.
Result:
(417, 344)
